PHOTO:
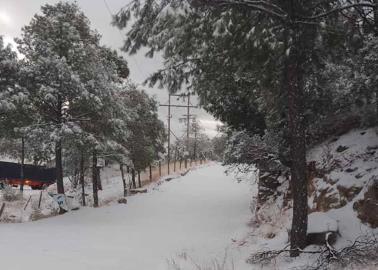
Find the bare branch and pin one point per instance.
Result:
(263, 6)
(338, 9)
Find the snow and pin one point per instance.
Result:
(200, 215)
(320, 222)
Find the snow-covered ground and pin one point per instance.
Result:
(196, 218)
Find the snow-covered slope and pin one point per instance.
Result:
(341, 171)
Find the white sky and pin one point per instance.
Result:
(14, 14)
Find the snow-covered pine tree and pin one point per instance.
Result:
(55, 46)
(146, 132)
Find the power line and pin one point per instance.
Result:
(188, 118)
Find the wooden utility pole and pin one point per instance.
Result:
(187, 118)
(187, 130)
(169, 105)
(169, 132)
(174, 165)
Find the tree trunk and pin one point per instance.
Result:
(82, 178)
(94, 179)
(99, 183)
(139, 182)
(298, 156)
(58, 151)
(22, 176)
(133, 177)
(59, 167)
(299, 57)
(123, 180)
(376, 34)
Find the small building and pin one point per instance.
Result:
(37, 177)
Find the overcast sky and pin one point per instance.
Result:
(16, 13)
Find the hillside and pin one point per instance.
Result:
(343, 198)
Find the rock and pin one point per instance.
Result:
(341, 148)
(185, 172)
(138, 190)
(168, 179)
(350, 170)
(122, 201)
(363, 133)
(372, 153)
(321, 238)
(335, 139)
(321, 229)
(374, 147)
(319, 222)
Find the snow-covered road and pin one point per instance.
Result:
(196, 215)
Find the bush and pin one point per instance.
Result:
(10, 194)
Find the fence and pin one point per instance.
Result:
(154, 173)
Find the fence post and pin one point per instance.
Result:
(159, 168)
(150, 173)
(174, 165)
(27, 203)
(40, 200)
(2, 209)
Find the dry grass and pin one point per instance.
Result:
(186, 262)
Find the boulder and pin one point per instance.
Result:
(341, 148)
(122, 201)
(138, 190)
(321, 229)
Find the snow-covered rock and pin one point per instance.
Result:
(320, 222)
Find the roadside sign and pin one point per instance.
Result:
(60, 200)
(100, 162)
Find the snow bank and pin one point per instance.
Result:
(321, 222)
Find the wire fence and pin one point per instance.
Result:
(154, 173)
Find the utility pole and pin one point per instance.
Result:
(187, 130)
(169, 105)
(187, 118)
(169, 131)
